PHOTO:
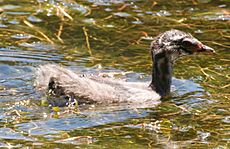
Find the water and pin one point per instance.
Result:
(113, 36)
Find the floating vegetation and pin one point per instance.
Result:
(111, 39)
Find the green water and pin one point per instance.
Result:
(113, 36)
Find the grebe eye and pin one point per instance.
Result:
(188, 42)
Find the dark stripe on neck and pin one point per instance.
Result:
(162, 74)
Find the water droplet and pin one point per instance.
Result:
(15, 22)
(108, 9)
(90, 21)
(199, 31)
(122, 14)
(137, 22)
(34, 19)
(21, 36)
(162, 13)
(3, 25)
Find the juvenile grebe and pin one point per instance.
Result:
(165, 49)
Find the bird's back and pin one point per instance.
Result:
(94, 89)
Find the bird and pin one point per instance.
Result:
(165, 49)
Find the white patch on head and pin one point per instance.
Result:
(160, 40)
(176, 37)
(175, 55)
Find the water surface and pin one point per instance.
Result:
(113, 36)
